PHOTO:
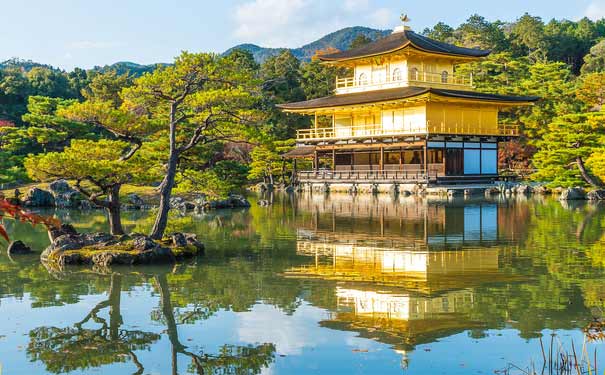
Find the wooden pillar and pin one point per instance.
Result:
(444, 159)
(333, 159)
(352, 160)
(426, 164)
(401, 158)
(315, 160)
(381, 158)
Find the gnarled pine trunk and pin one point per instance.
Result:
(113, 210)
(161, 220)
(585, 174)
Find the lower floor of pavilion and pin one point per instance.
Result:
(431, 159)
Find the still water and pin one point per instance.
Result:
(314, 284)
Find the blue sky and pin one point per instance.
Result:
(84, 33)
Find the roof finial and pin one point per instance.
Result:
(404, 20)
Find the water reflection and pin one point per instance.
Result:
(314, 283)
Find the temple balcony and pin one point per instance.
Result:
(378, 130)
(414, 77)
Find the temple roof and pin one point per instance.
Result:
(368, 97)
(400, 40)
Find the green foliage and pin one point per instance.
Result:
(106, 87)
(359, 41)
(318, 80)
(224, 178)
(591, 90)
(594, 61)
(441, 32)
(554, 83)
(569, 140)
(98, 162)
(596, 163)
(267, 161)
(282, 83)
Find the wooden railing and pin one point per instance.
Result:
(369, 175)
(369, 131)
(353, 84)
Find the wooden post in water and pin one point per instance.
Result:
(333, 159)
(426, 165)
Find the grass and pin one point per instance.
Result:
(557, 360)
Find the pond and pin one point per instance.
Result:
(320, 284)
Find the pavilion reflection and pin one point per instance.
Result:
(407, 272)
(408, 222)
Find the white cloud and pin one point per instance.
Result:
(355, 5)
(291, 334)
(279, 23)
(382, 18)
(269, 21)
(596, 10)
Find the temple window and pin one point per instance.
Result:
(444, 76)
(363, 79)
(396, 75)
(414, 74)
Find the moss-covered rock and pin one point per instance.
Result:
(102, 249)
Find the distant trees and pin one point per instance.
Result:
(359, 41)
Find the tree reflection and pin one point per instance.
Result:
(72, 348)
(231, 359)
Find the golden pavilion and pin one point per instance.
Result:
(404, 116)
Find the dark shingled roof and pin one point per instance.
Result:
(399, 40)
(299, 152)
(399, 93)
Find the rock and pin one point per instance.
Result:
(178, 239)
(143, 243)
(541, 190)
(290, 189)
(454, 192)
(65, 196)
(492, 191)
(234, 201)
(62, 230)
(179, 203)
(18, 248)
(405, 193)
(59, 187)
(135, 201)
(558, 190)
(193, 241)
(102, 249)
(37, 197)
(596, 195)
(575, 193)
(469, 192)
(523, 189)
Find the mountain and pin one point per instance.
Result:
(340, 39)
(25, 65)
(131, 68)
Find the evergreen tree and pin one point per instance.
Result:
(565, 147)
(360, 41)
